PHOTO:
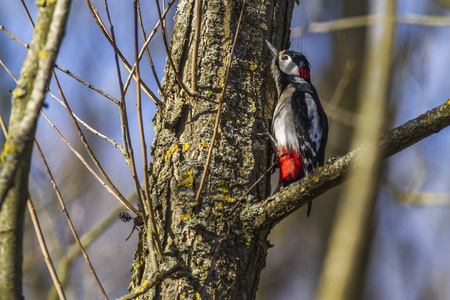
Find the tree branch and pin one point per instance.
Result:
(27, 100)
(361, 21)
(30, 90)
(279, 206)
(44, 249)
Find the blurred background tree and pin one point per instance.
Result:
(406, 247)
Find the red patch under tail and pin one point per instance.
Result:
(290, 166)
(291, 170)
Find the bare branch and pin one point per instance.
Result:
(169, 56)
(361, 21)
(7, 70)
(89, 150)
(130, 69)
(417, 198)
(154, 239)
(39, 234)
(331, 107)
(30, 91)
(69, 221)
(126, 137)
(279, 206)
(88, 127)
(147, 42)
(118, 196)
(14, 37)
(44, 249)
(155, 75)
(111, 141)
(27, 12)
(88, 84)
(59, 68)
(88, 238)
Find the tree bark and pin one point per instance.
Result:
(222, 254)
(223, 258)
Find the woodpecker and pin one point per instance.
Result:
(299, 124)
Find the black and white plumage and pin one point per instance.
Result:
(299, 123)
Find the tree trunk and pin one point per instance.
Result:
(223, 257)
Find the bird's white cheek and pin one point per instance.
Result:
(288, 67)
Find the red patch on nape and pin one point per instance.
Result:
(304, 73)
(290, 165)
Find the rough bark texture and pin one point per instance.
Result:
(223, 257)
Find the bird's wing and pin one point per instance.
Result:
(309, 123)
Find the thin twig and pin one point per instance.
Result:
(3, 125)
(44, 249)
(147, 50)
(333, 111)
(163, 8)
(27, 12)
(69, 221)
(88, 84)
(413, 19)
(367, 20)
(341, 115)
(130, 69)
(40, 235)
(85, 143)
(88, 238)
(89, 150)
(343, 83)
(7, 70)
(169, 56)
(62, 69)
(114, 143)
(88, 127)
(219, 109)
(198, 16)
(13, 36)
(122, 105)
(29, 95)
(123, 201)
(154, 229)
(124, 118)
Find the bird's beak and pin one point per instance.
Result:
(273, 49)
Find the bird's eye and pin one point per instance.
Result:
(284, 57)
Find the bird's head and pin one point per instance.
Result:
(290, 63)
